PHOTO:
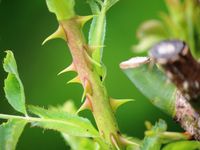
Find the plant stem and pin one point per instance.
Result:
(99, 99)
(29, 119)
(97, 34)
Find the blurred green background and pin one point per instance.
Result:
(25, 24)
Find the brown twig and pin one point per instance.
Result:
(184, 71)
(181, 68)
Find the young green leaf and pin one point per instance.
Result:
(97, 34)
(146, 43)
(10, 133)
(110, 3)
(98, 26)
(97, 31)
(153, 142)
(78, 143)
(183, 145)
(149, 33)
(64, 9)
(63, 122)
(94, 6)
(153, 84)
(181, 22)
(157, 135)
(13, 87)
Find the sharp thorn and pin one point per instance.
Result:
(83, 19)
(86, 105)
(68, 69)
(74, 80)
(116, 103)
(59, 33)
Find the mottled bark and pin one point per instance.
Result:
(188, 118)
(181, 68)
(184, 71)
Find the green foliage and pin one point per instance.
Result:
(149, 33)
(64, 9)
(156, 136)
(10, 133)
(13, 88)
(63, 122)
(71, 126)
(110, 3)
(79, 132)
(153, 84)
(97, 31)
(181, 22)
(74, 141)
(77, 143)
(183, 145)
(153, 141)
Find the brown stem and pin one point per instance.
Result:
(181, 68)
(188, 118)
(184, 71)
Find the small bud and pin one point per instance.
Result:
(148, 125)
(134, 62)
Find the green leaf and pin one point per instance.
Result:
(153, 142)
(132, 143)
(10, 133)
(63, 122)
(97, 31)
(152, 82)
(13, 87)
(156, 136)
(150, 33)
(110, 3)
(94, 6)
(197, 26)
(183, 145)
(192, 13)
(181, 23)
(97, 35)
(146, 43)
(78, 143)
(64, 9)
(151, 28)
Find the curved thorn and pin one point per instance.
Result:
(116, 103)
(75, 80)
(83, 19)
(59, 33)
(68, 69)
(86, 105)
